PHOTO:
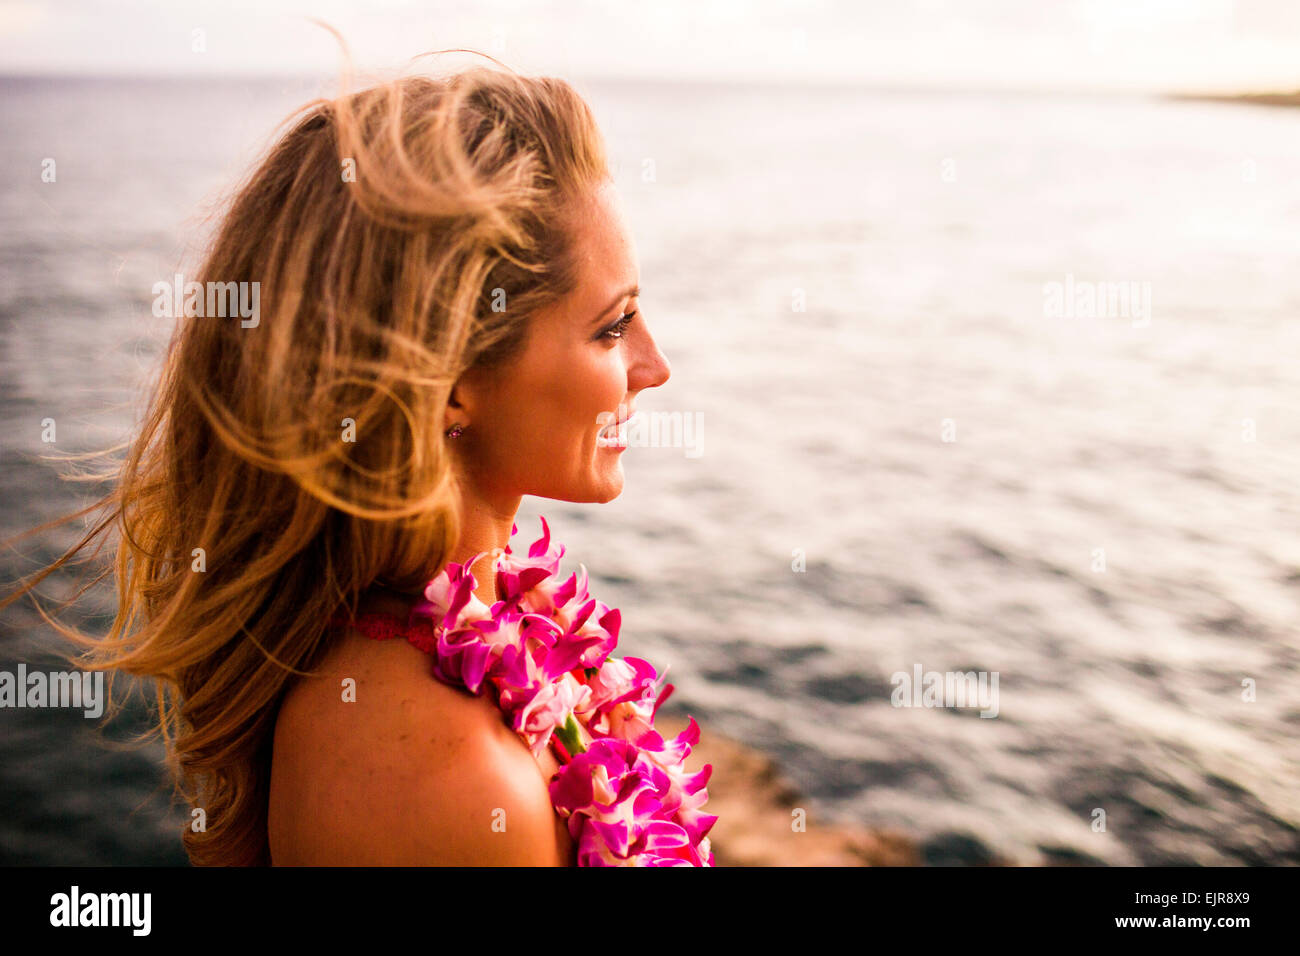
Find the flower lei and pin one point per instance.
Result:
(543, 648)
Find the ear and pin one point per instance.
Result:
(464, 400)
(455, 413)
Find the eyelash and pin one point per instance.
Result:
(616, 330)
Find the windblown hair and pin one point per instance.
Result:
(305, 456)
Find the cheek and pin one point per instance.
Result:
(568, 402)
(600, 389)
(547, 415)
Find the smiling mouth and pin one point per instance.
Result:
(614, 435)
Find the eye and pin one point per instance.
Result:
(616, 330)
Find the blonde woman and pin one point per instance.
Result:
(448, 316)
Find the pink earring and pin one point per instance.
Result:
(455, 431)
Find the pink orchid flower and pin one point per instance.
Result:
(548, 710)
(518, 575)
(544, 649)
(618, 680)
(449, 599)
(612, 795)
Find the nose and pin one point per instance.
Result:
(653, 369)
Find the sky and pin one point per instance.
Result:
(1102, 45)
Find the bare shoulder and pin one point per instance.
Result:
(412, 772)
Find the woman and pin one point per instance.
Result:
(449, 320)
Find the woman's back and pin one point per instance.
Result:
(404, 770)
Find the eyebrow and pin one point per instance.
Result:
(629, 292)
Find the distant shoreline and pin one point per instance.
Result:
(1258, 99)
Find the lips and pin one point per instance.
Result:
(614, 435)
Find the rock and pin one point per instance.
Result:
(957, 849)
(755, 805)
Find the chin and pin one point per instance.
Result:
(614, 483)
(613, 493)
(605, 491)
(598, 491)
(606, 487)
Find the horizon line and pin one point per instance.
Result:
(781, 82)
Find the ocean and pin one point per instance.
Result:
(990, 384)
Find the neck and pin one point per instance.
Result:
(484, 528)
(485, 522)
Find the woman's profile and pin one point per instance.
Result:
(448, 321)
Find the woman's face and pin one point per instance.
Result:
(534, 424)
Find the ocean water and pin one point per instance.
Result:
(903, 456)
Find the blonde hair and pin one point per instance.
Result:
(385, 229)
